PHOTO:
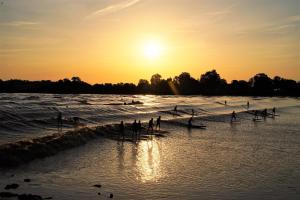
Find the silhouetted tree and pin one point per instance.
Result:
(261, 84)
(285, 87)
(211, 83)
(186, 84)
(143, 86)
(155, 80)
(76, 79)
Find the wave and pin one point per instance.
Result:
(18, 153)
(15, 154)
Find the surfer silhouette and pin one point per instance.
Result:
(175, 109)
(122, 128)
(233, 116)
(158, 123)
(190, 122)
(150, 125)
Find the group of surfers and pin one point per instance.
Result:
(263, 114)
(137, 127)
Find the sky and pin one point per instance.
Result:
(126, 40)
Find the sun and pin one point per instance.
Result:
(153, 49)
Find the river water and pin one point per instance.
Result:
(245, 160)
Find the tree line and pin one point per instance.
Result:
(209, 83)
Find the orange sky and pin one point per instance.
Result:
(107, 41)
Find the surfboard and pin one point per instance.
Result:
(197, 127)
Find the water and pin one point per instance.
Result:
(244, 160)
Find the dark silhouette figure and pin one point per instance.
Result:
(248, 105)
(122, 129)
(256, 115)
(158, 123)
(193, 113)
(59, 120)
(274, 111)
(175, 109)
(264, 113)
(233, 116)
(139, 128)
(190, 125)
(134, 128)
(150, 125)
(76, 121)
(225, 102)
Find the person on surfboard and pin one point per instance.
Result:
(193, 113)
(175, 109)
(190, 125)
(139, 128)
(233, 116)
(150, 125)
(134, 128)
(255, 115)
(122, 128)
(158, 123)
(274, 111)
(265, 113)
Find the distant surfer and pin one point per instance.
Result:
(122, 128)
(175, 109)
(274, 111)
(76, 121)
(233, 116)
(248, 105)
(134, 128)
(59, 120)
(139, 127)
(158, 120)
(265, 113)
(255, 115)
(150, 125)
(190, 125)
(225, 102)
(193, 113)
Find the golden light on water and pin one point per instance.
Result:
(148, 162)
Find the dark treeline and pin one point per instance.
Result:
(209, 83)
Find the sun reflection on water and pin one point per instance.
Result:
(148, 161)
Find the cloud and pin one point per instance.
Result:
(19, 23)
(293, 19)
(113, 8)
(284, 27)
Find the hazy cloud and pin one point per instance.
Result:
(113, 8)
(19, 23)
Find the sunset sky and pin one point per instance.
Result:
(125, 40)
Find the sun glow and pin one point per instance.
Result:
(153, 49)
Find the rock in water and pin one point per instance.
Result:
(98, 185)
(11, 186)
(29, 197)
(111, 196)
(7, 195)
